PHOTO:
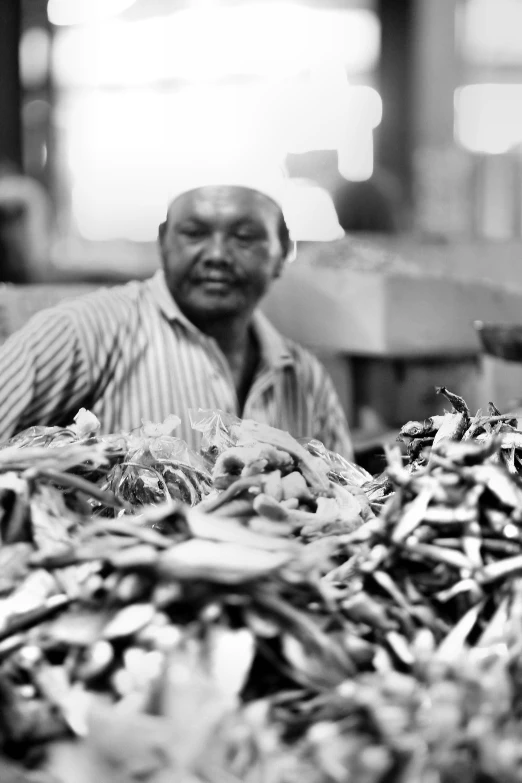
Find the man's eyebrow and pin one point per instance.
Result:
(178, 221)
(248, 220)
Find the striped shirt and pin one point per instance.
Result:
(129, 354)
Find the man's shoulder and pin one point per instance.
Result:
(107, 300)
(102, 312)
(302, 356)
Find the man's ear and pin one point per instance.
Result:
(278, 271)
(292, 252)
(288, 258)
(162, 230)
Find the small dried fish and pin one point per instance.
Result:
(19, 622)
(412, 516)
(218, 562)
(498, 481)
(129, 621)
(499, 570)
(440, 555)
(421, 429)
(469, 586)
(362, 608)
(135, 557)
(472, 544)
(400, 647)
(453, 644)
(444, 515)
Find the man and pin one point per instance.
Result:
(189, 337)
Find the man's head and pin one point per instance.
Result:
(221, 248)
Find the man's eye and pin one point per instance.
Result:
(247, 235)
(192, 232)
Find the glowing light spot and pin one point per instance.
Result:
(197, 85)
(490, 32)
(212, 43)
(34, 52)
(488, 117)
(72, 12)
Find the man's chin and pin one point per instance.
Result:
(214, 306)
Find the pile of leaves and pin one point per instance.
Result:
(301, 622)
(96, 607)
(103, 611)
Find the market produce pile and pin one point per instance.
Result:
(300, 620)
(142, 467)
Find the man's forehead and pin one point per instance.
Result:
(222, 200)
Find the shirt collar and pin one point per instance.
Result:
(166, 303)
(274, 348)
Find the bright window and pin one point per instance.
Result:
(488, 106)
(209, 44)
(491, 32)
(488, 111)
(488, 117)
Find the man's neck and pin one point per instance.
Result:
(232, 335)
(237, 341)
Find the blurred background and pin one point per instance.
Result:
(398, 121)
(405, 115)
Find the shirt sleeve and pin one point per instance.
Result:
(332, 426)
(44, 374)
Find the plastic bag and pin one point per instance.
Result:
(341, 471)
(39, 436)
(85, 426)
(219, 431)
(158, 466)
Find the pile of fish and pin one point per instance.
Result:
(458, 425)
(289, 619)
(450, 720)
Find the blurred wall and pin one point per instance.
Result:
(395, 137)
(10, 92)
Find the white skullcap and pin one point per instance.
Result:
(308, 210)
(266, 178)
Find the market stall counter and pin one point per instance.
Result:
(395, 326)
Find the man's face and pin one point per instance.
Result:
(221, 250)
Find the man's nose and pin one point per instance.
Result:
(216, 248)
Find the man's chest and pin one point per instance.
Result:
(160, 371)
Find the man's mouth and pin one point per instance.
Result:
(216, 280)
